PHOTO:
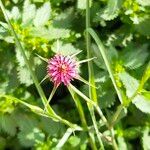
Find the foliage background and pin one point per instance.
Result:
(123, 26)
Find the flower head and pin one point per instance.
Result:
(62, 69)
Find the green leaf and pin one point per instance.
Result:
(51, 127)
(81, 4)
(112, 10)
(26, 16)
(134, 57)
(99, 61)
(29, 137)
(74, 141)
(146, 94)
(20, 58)
(64, 139)
(107, 99)
(42, 15)
(145, 76)
(65, 49)
(5, 34)
(122, 143)
(144, 2)
(132, 132)
(8, 124)
(24, 76)
(146, 139)
(129, 82)
(6, 105)
(65, 19)
(15, 13)
(143, 27)
(51, 33)
(142, 103)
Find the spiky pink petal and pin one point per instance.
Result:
(62, 69)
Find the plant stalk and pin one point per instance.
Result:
(92, 90)
(82, 117)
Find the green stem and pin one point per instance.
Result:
(116, 115)
(92, 103)
(103, 53)
(115, 147)
(64, 138)
(51, 96)
(95, 126)
(79, 107)
(92, 90)
(82, 117)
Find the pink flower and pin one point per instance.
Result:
(62, 69)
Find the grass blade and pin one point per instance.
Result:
(64, 139)
(102, 51)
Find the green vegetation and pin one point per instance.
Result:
(111, 110)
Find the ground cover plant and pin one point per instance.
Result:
(74, 74)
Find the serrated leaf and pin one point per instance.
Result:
(51, 33)
(51, 127)
(112, 10)
(29, 134)
(144, 2)
(4, 33)
(143, 27)
(8, 124)
(15, 13)
(65, 19)
(29, 138)
(42, 15)
(99, 61)
(24, 76)
(135, 58)
(26, 16)
(142, 103)
(65, 49)
(146, 139)
(129, 82)
(122, 143)
(19, 57)
(106, 99)
(81, 4)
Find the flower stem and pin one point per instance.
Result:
(115, 147)
(51, 96)
(82, 117)
(92, 103)
(92, 90)
(90, 107)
